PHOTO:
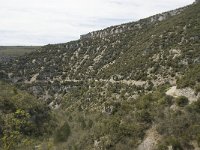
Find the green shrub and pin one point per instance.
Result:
(144, 116)
(162, 147)
(62, 133)
(197, 88)
(174, 143)
(198, 140)
(182, 101)
(170, 141)
(90, 124)
(166, 101)
(190, 78)
(194, 107)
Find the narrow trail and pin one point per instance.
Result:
(127, 82)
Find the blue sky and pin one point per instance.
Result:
(40, 22)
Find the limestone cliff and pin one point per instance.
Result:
(114, 30)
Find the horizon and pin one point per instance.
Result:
(37, 24)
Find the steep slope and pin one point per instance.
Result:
(144, 50)
(111, 89)
(154, 50)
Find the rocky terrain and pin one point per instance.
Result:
(5, 58)
(131, 86)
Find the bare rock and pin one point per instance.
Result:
(151, 140)
(187, 92)
(197, 1)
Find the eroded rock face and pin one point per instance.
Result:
(104, 33)
(187, 92)
(197, 1)
(151, 140)
(131, 26)
(6, 58)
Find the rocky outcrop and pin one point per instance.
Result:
(131, 26)
(6, 58)
(151, 140)
(166, 15)
(104, 33)
(187, 92)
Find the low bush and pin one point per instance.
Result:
(62, 133)
(182, 101)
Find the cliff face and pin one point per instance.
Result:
(131, 26)
(105, 32)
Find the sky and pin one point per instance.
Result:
(41, 22)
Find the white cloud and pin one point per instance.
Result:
(28, 22)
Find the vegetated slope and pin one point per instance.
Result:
(145, 50)
(23, 118)
(117, 88)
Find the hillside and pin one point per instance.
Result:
(131, 86)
